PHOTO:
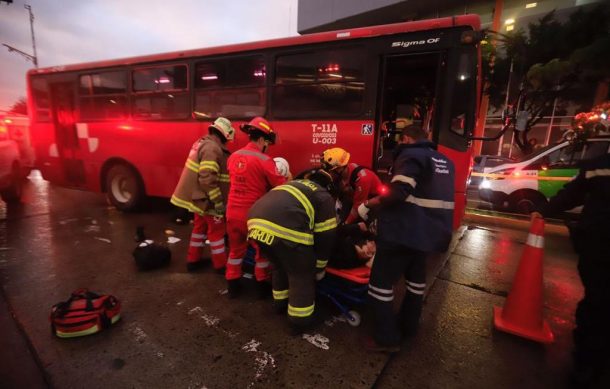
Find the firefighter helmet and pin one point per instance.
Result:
(259, 124)
(334, 158)
(223, 125)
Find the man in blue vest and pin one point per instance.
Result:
(414, 218)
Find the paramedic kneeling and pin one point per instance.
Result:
(414, 219)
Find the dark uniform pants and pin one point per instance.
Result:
(592, 332)
(293, 278)
(391, 262)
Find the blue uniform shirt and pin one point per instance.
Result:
(418, 212)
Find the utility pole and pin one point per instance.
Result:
(29, 8)
(480, 125)
(27, 56)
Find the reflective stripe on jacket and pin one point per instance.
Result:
(418, 212)
(204, 183)
(252, 174)
(299, 211)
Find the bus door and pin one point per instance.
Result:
(407, 95)
(66, 137)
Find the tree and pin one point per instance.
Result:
(20, 107)
(551, 62)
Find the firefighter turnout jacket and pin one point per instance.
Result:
(252, 175)
(364, 184)
(204, 183)
(301, 212)
(418, 210)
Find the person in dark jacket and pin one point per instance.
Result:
(413, 219)
(354, 247)
(591, 237)
(293, 226)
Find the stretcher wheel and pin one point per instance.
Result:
(355, 319)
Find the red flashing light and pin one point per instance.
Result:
(383, 190)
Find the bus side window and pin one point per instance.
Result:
(325, 82)
(103, 95)
(463, 89)
(232, 87)
(161, 92)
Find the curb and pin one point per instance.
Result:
(498, 221)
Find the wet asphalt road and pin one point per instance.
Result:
(179, 330)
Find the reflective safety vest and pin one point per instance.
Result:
(204, 183)
(418, 212)
(300, 211)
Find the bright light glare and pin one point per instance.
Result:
(210, 77)
(485, 184)
(509, 21)
(510, 27)
(604, 116)
(530, 5)
(462, 77)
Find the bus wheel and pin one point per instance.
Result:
(12, 193)
(124, 187)
(526, 201)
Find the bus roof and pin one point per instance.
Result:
(420, 25)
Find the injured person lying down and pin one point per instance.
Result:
(354, 247)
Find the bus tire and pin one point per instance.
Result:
(12, 194)
(526, 201)
(124, 187)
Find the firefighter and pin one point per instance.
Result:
(252, 174)
(590, 238)
(203, 189)
(293, 225)
(356, 183)
(413, 219)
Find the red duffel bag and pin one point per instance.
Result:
(84, 313)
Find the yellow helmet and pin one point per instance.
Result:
(334, 158)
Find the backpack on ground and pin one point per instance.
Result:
(150, 255)
(84, 313)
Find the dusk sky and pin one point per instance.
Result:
(74, 31)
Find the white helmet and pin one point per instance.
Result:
(223, 125)
(281, 166)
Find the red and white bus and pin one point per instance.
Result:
(124, 126)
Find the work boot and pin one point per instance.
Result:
(263, 289)
(234, 288)
(372, 346)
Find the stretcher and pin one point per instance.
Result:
(346, 288)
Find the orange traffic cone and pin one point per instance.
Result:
(522, 312)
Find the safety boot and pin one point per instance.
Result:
(234, 288)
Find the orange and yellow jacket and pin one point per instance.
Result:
(204, 183)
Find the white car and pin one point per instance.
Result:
(524, 186)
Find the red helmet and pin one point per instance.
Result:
(262, 125)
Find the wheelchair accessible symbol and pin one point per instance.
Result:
(367, 129)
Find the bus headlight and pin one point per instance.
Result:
(485, 184)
